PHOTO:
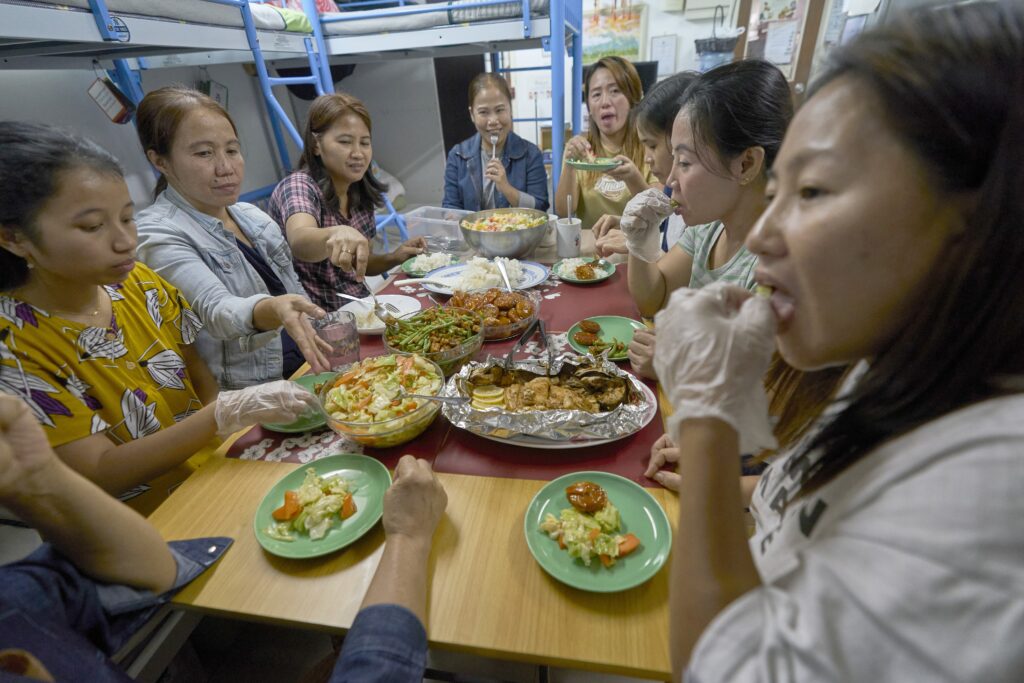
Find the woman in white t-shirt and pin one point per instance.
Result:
(889, 544)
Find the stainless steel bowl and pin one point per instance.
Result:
(510, 244)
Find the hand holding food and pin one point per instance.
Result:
(578, 148)
(281, 402)
(416, 501)
(663, 451)
(590, 527)
(640, 221)
(723, 338)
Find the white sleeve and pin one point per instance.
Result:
(921, 581)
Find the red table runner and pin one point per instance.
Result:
(457, 451)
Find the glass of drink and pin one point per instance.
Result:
(339, 330)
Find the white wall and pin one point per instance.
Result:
(59, 97)
(401, 96)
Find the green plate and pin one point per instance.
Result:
(408, 270)
(576, 281)
(612, 327)
(310, 422)
(370, 479)
(641, 515)
(598, 164)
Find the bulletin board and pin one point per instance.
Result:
(614, 27)
(784, 33)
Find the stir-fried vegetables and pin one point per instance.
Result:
(433, 330)
(312, 508)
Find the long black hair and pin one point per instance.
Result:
(952, 84)
(365, 195)
(32, 159)
(658, 109)
(736, 106)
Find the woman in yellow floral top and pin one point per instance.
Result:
(98, 346)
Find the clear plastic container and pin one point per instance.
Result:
(440, 226)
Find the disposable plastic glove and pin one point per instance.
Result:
(281, 401)
(717, 344)
(640, 220)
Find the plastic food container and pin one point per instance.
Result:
(393, 432)
(440, 226)
(449, 360)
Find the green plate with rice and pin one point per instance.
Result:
(409, 270)
(601, 274)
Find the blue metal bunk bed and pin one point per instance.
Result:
(465, 27)
(35, 34)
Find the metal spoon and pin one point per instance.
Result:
(454, 400)
(504, 273)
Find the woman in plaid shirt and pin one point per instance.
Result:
(327, 206)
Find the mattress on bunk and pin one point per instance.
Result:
(386, 22)
(265, 17)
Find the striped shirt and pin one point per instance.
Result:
(697, 241)
(299, 193)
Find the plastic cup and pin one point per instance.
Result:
(567, 232)
(339, 330)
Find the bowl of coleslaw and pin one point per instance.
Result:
(368, 402)
(512, 233)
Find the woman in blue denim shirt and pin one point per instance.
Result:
(508, 172)
(229, 259)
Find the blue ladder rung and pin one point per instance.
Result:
(293, 80)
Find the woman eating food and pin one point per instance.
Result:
(494, 168)
(888, 544)
(326, 207)
(725, 136)
(611, 88)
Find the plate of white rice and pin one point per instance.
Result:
(420, 265)
(368, 323)
(482, 273)
(566, 270)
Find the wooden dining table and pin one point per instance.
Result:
(487, 594)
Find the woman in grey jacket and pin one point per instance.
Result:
(230, 259)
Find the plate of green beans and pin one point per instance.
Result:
(448, 336)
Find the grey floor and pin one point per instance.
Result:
(222, 651)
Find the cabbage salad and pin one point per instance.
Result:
(370, 391)
(588, 535)
(313, 508)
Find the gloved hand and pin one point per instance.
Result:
(719, 342)
(640, 220)
(281, 401)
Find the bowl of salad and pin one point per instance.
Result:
(449, 336)
(369, 401)
(512, 233)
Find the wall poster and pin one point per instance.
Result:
(614, 27)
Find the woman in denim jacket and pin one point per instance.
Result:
(230, 259)
(495, 168)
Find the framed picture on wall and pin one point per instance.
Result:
(614, 27)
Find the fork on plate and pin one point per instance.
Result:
(382, 310)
